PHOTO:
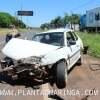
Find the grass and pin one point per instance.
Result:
(7, 30)
(93, 41)
(4, 31)
(22, 30)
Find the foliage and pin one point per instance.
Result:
(6, 20)
(93, 41)
(44, 26)
(62, 21)
(4, 31)
(74, 19)
(57, 22)
(65, 19)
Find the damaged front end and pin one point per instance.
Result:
(29, 68)
(27, 59)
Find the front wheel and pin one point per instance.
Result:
(61, 75)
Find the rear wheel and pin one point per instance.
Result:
(61, 75)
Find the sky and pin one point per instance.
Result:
(46, 10)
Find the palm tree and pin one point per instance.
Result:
(74, 19)
(57, 22)
(65, 19)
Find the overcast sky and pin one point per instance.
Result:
(45, 10)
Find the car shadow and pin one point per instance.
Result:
(55, 97)
(71, 69)
(4, 79)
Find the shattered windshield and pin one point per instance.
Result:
(56, 38)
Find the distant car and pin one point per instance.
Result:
(48, 56)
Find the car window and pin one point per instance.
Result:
(75, 36)
(70, 36)
(54, 38)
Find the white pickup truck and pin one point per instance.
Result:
(48, 56)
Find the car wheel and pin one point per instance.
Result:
(79, 62)
(61, 75)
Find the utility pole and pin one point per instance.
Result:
(21, 10)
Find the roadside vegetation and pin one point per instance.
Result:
(93, 41)
(4, 31)
(6, 20)
(60, 21)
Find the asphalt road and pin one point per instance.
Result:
(83, 83)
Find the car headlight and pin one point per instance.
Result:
(32, 60)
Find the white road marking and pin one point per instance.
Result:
(45, 88)
(6, 87)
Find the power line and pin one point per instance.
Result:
(82, 5)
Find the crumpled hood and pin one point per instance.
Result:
(19, 48)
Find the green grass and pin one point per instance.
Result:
(93, 41)
(7, 30)
(22, 30)
(4, 31)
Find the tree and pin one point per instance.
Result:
(45, 26)
(52, 24)
(62, 21)
(57, 22)
(6, 20)
(66, 19)
(74, 19)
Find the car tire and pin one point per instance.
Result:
(61, 75)
(79, 62)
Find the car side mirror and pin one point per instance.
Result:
(71, 42)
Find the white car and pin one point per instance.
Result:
(48, 56)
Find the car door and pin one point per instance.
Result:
(74, 48)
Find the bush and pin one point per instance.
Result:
(6, 20)
(93, 41)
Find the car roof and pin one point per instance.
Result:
(57, 30)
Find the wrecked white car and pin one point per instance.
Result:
(48, 56)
